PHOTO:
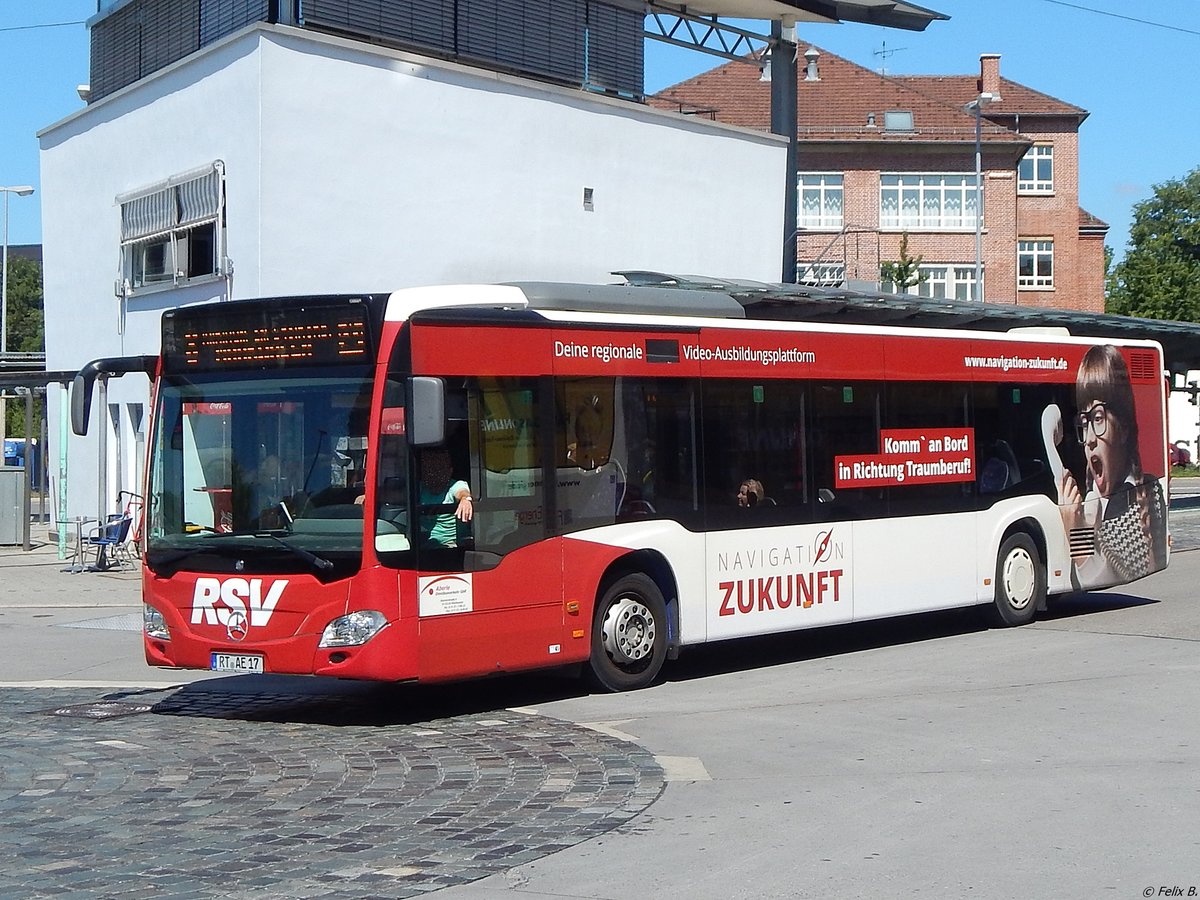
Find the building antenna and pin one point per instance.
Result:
(883, 53)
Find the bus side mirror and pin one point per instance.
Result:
(81, 402)
(81, 387)
(426, 411)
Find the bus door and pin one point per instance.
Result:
(489, 586)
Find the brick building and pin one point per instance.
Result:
(881, 157)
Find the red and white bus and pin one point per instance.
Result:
(454, 481)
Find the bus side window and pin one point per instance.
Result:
(1011, 415)
(585, 416)
(937, 408)
(392, 518)
(506, 463)
(754, 434)
(845, 420)
(660, 426)
(590, 459)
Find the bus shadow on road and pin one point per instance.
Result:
(307, 700)
(746, 654)
(1073, 606)
(820, 643)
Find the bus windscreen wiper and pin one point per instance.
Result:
(318, 562)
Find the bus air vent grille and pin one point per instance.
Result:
(1083, 541)
(1143, 366)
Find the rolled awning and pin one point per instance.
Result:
(183, 199)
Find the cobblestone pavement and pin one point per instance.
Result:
(197, 792)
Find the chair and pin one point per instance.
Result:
(108, 540)
(1000, 471)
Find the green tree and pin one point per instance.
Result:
(1159, 278)
(26, 330)
(906, 271)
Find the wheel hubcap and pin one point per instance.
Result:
(628, 631)
(1020, 579)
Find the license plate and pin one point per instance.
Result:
(237, 662)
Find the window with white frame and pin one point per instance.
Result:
(821, 274)
(173, 232)
(1035, 264)
(821, 200)
(1035, 171)
(939, 281)
(928, 201)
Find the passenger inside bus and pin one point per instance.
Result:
(442, 526)
(750, 493)
(586, 451)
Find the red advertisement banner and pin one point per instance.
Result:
(911, 456)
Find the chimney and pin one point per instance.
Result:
(989, 74)
(811, 72)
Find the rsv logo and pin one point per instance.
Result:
(216, 601)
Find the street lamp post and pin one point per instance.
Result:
(976, 106)
(21, 190)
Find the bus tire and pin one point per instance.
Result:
(1020, 581)
(629, 635)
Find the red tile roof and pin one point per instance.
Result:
(840, 106)
(1015, 98)
(1088, 222)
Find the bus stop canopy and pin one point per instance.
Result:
(888, 13)
(1180, 340)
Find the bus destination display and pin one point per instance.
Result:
(322, 335)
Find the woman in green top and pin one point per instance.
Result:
(438, 487)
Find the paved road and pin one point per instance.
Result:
(927, 756)
(920, 759)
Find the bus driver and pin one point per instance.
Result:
(438, 487)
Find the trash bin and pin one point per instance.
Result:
(12, 505)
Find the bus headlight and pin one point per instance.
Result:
(153, 623)
(353, 630)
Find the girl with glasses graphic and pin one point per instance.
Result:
(1117, 524)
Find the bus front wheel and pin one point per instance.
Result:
(629, 635)
(1020, 581)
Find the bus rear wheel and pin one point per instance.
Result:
(1020, 581)
(629, 635)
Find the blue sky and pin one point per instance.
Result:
(1135, 79)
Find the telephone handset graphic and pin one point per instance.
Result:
(1052, 435)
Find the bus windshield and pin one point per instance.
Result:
(273, 463)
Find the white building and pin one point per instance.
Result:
(279, 161)
(1183, 417)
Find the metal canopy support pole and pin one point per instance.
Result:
(26, 504)
(101, 418)
(44, 459)
(64, 418)
(783, 122)
(4, 327)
